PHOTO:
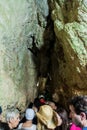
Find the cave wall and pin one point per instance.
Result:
(69, 61)
(42, 44)
(22, 25)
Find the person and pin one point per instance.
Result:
(36, 106)
(64, 119)
(24, 118)
(3, 125)
(42, 99)
(28, 124)
(47, 118)
(0, 113)
(38, 101)
(12, 118)
(78, 111)
(74, 127)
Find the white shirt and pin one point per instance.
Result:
(33, 127)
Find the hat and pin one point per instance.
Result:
(29, 114)
(41, 96)
(47, 116)
(0, 110)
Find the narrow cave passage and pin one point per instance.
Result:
(42, 50)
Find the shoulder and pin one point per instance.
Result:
(20, 125)
(33, 127)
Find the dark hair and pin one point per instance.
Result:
(0, 110)
(37, 103)
(64, 116)
(79, 103)
(30, 105)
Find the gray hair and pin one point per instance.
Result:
(11, 113)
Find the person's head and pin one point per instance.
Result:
(64, 117)
(36, 104)
(29, 114)
(55, 97)
(78, 110)
(52, 104)
(47, 117)
(0, 113)
(12, 117)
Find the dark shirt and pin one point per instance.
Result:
(4, 126)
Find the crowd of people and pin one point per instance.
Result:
(48, 115)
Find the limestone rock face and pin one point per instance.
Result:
(21, 29)
(32, 49)
(70, 52)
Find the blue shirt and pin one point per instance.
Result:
(84, 128)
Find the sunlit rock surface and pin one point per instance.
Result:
(70, 52)
(35, 46)
(19, 23)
